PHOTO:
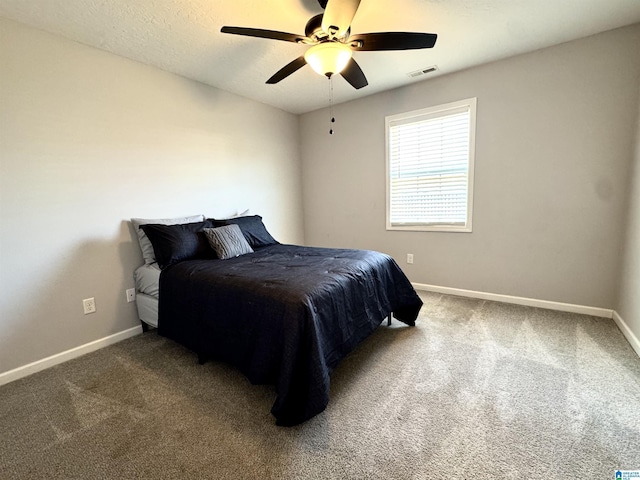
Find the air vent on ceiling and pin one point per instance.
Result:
(422, 71)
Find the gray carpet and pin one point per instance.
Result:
(478, 390)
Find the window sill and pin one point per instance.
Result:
(430, 228)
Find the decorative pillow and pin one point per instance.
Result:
(145, 244)
(227, 241)
(174, 243)
(252, 228)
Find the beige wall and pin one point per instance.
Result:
(555, 130)
(88, 140)
(628, 304)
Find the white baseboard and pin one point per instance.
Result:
(626, 331)
(58, 358)
(65, 356)
(531, 302)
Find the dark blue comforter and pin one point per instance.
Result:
(284, 315)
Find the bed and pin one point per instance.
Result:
(284, 315)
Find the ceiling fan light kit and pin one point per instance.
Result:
(328, 58)
(332, 45)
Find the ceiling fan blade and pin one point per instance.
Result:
(391, 41)
(338, 15)
(258, 32)
(353, 74)
(287, 70)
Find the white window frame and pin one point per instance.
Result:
(418, 115)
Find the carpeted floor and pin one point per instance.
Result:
(477, 390)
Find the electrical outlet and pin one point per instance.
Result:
(89, 305)
(409, 257)
(131, 294)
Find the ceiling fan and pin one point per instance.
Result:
(332, 45)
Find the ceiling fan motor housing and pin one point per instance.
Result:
(314, 25)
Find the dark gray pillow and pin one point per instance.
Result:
(145, 243)
(252, 228)
(175, 243)
(227, 241)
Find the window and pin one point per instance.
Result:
(430, 168)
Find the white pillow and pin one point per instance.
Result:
(145, 244)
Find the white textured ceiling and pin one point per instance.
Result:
(183, 36)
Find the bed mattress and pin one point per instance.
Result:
(147, 279)
(147, 309)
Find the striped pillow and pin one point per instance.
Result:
(227, 241)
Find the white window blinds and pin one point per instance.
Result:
(430, 168)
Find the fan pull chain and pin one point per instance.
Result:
(333, 119)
